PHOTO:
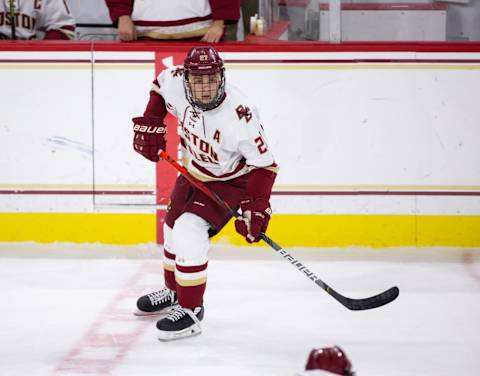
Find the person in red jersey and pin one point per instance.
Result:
(30, 17)
(166, 20)
(224, 145)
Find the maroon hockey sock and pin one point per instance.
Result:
(190, 290)
(191, 296)
(168, 271)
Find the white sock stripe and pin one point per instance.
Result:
(169, 262)
(190, 276)
(191, 261)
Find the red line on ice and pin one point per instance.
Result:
(119, 343)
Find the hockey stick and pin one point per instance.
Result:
(353, 304)
(12, 19)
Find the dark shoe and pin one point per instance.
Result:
(180, 323)
(156, 302)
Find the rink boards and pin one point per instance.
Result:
(376, 148)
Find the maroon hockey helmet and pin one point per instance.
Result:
(331, 359)
(204, 61)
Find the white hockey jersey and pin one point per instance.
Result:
(218, 144)
(159, 19)
(36, 15)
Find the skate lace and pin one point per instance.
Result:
(160, 297)
(176, 314)
(179, 312)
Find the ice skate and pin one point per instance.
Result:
(156, 302)
(180, 323)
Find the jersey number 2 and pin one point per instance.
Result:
(262, 148)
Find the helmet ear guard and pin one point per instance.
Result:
(203, 61)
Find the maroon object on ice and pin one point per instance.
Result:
(331, 359)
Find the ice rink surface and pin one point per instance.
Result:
(67, 310)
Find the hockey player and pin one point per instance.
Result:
(31, 16)
(223, 144)
(165, 20)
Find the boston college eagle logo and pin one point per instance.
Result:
(244, 112)
(203, 57)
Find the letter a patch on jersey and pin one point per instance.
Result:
(177, 72)
(216, 136)
(244, 112)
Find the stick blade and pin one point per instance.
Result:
(372, 302)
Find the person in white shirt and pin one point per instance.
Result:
(203, 20)
(32, 17)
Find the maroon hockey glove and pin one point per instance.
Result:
(255, 217)
(150, 136)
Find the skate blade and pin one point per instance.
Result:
(192, 331)
(147, 314)
(162, 312)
